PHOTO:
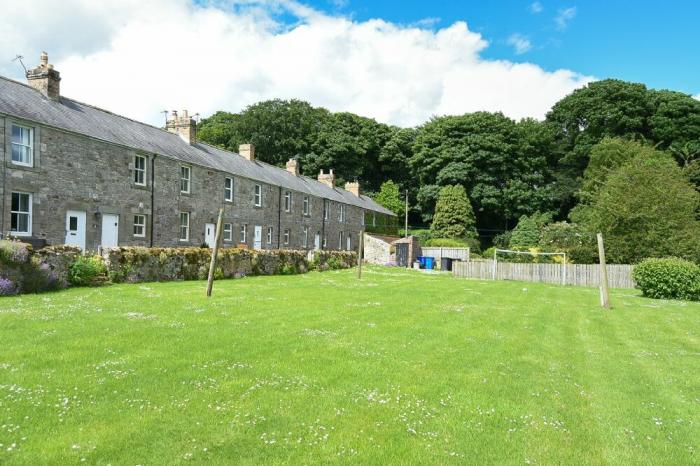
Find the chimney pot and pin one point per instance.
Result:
(247, 151)
(327, 179)
(354, 188)
(293, 166)
(182, 125)
(45, 79)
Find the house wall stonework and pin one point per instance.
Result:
(76, 172)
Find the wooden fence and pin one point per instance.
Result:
(438, 253)
(619, 276)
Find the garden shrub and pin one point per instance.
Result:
(669, 278)
(446, 243)
(8, 287)
(14, 252)
(88, 271)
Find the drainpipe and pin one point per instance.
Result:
(4, 194)
(279, 218)
(153, 197)
(323, 222)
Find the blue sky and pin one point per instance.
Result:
(400, 62)
(654, 42)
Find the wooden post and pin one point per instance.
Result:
(494, 263)
(215, 252)
(359, 254)
(564, 271)
(604, 296)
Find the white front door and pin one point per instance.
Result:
(75, 228)
(257, 239)
(317, 242)
(110, 231)
(210, 234)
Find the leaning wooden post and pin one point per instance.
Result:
(604, 297)
(359, 254)
(215, 252)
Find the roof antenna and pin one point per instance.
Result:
(19, 58)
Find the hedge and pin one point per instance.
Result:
(669, 278)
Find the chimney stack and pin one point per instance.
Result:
(353, 188)
(293, 166)
(45, 79)
(183, 126)
(247, 151)
(327, 178)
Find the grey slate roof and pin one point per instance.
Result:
(19, 100)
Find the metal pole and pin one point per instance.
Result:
(564, 271)
(215, 252)
(604, 296)
(405, 232)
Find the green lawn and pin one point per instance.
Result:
(401, 367)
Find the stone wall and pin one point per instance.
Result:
(378, 249)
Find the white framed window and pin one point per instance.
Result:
(306, 205)
(21, 214)
(22, 145)
(348, 242)
(305, 237)
(185, 179)
(341, 213)
(287, 201)
(326, 210)
(244, 233)
(374, 219)
(363, 217)
(140, 170)
(340, 240)
(228, 189)
(325, 241)
(269, 235)
(228, 232)
(139, 226)
(184, 226)
(257, 196)
(286, 237)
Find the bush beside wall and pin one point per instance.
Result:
(23, 270)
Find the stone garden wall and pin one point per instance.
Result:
(23, 270)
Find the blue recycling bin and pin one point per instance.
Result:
(421, 261)
(429, 263)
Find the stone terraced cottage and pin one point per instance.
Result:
(76, 174)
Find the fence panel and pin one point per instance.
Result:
(453, 253)
(619, 276)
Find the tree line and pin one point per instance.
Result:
(606, 145)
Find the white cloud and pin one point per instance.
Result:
(564, 17)
(697, 96)
(520, 43)
(536, 7)
(140, 58)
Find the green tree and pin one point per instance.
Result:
(389, 196)
(351, 145)
(528, 232)
(646, 208)
(607, 156)
(454, 217)
(491, 157)
(279, 129)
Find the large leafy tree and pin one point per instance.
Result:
(646, 208)
(280, 129)
(454, 217)
(497, 160)
(351, 145)
(614, 108)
